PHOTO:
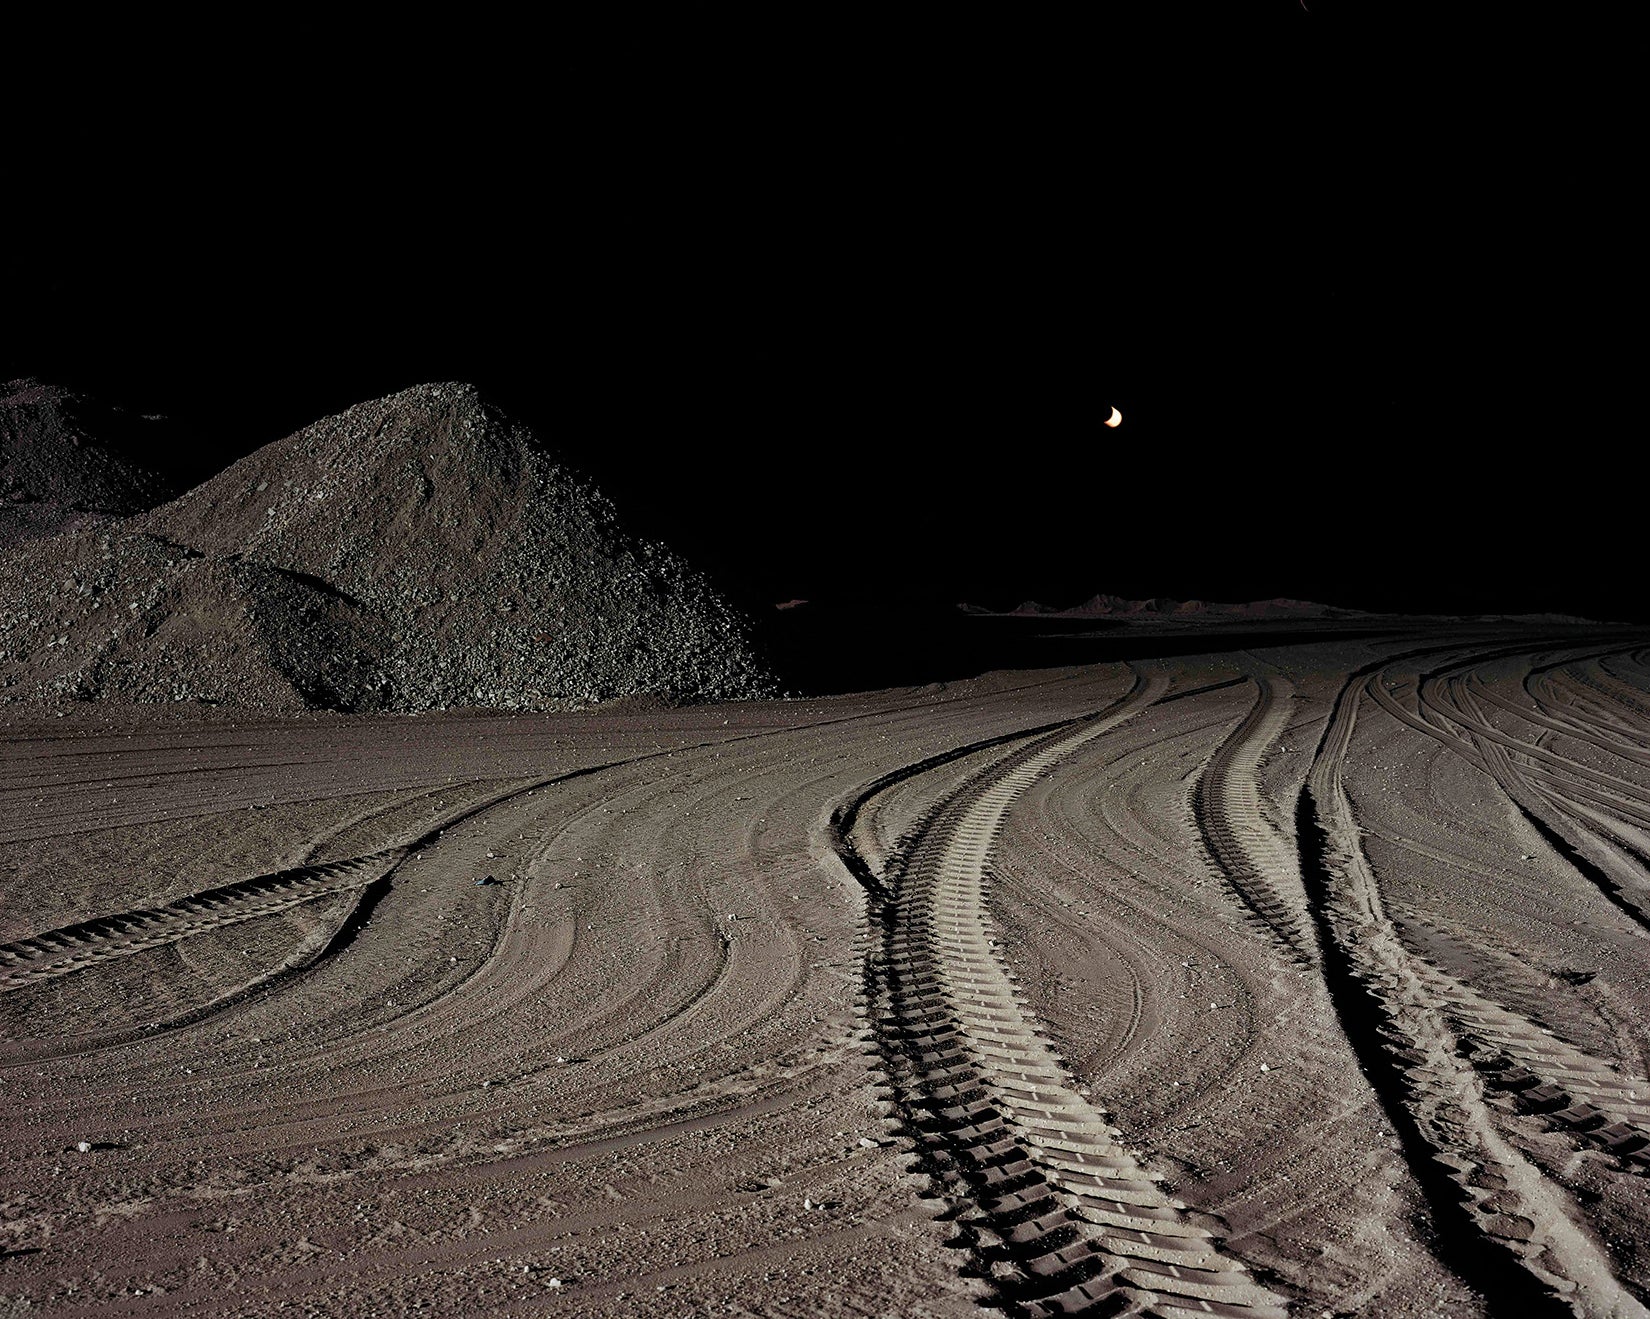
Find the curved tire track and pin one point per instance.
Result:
(75, 947)
(1256, 857)
(1060, 1214)
(1394, 1010)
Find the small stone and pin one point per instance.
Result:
(552, 1282)
(1265, 1068)
(807, 1203)
(84, 1146)
(866, 1143)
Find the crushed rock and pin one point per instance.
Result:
(418, 552)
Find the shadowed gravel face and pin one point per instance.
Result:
(414, 553)
(1244, 980)
(67, 461)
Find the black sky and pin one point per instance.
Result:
(847, 327)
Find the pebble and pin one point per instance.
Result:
(84, 1146)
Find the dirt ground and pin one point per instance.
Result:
(1301, 980)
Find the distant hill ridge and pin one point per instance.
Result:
(1115, 606)
(415, 552)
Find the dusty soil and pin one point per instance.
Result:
(1304, 979)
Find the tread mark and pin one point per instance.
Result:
(1049, 1196)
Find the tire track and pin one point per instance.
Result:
(1256, 857)
(1583, 1097)
(1573, 1091)
(87, 943)
(1619, 693)
(91, 943)
(1057, 1211)
(1590, 734)
(343, 926)
(75, 947)
(1394, 1010)
(1563, 824)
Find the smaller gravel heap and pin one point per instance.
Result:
(64, 462)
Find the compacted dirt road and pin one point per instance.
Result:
(1302, 979)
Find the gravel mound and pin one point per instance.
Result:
(414, 553)
(64, 462)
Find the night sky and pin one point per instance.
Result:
(851, 334)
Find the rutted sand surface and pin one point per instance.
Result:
(1281, 981)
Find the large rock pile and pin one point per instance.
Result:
(418, 552)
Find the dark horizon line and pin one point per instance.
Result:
(832, 576)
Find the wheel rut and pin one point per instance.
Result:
(75, 947)
(1541, 1074)
(1056, 1211)
(1565, 813)
(1412, 1027)
(1257, 858)
(91, 942)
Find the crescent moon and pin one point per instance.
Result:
(1115, 420)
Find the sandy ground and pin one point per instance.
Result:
(1307, 980)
